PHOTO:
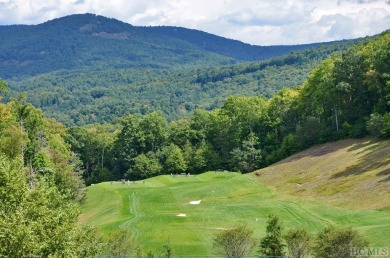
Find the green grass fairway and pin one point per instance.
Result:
(150, 208)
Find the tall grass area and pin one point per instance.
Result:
(149, 209)
(352, 173)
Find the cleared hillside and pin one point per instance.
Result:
(348, 173)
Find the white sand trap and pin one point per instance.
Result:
(195, 202)
(223, 228)
(181, 215)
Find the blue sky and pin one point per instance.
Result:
(259, 22)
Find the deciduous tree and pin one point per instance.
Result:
(298, 243)
(235, 242)
(335, 243)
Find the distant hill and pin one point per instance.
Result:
(88, 96)
(86, 68)
(348, 173)
(229, 47)
(88, 41)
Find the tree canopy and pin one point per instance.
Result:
(346, 96)
(40, 187)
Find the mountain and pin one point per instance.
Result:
(229, 47)
(95, 42)
(86, 68)
(89, 96)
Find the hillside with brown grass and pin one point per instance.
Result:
(348, 173)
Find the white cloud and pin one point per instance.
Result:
(257, 22)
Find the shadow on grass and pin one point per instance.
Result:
(363, 145)
(384, 209)
(328, 148)
(385, 172)
(374, 157)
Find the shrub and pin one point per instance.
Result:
(235, 242)
(337, 243)
(298, 243)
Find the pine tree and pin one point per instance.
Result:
(271, 244)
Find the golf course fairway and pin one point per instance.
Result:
(189, 211)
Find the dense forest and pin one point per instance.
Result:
(98, 43)
(87, 96)
(83, 69)
(346, 96)
(40, 187)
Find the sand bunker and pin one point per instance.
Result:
(223, 228)
(195, 202)
(181, 215)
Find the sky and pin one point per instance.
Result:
(257, 22)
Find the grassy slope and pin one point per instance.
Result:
(149, 209)
(350, 173)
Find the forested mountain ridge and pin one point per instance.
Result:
(93, 42)
(85, 96)
(86, 68)
(229, 47)
(88, 40)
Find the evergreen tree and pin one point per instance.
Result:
(272, 243)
